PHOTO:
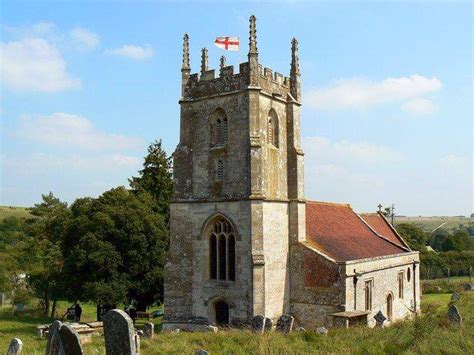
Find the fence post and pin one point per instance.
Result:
(448, 273)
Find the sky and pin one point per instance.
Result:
(387, 93)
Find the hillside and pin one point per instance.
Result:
(428, 224)
(7, 211)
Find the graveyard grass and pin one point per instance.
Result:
(430, 333)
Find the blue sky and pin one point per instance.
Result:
(387, 93)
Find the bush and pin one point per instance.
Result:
(22, 295)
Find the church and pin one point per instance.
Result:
(244, 240)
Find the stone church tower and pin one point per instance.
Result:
(238, 205)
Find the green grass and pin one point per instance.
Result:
(443, 285)
(7, 211)
(453, 279)
(426, 334)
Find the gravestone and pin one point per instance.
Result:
(268, 325)
(120, 337)
(258, 323)
(54, 345)
(455, 296)
(379, 319)
(453, 315)
(300, 329)
(137, 343)
(15, 347)
(211, 328)
(201, 352)
(70, 340)
(468, 287)
(149, 330)
(285, 323)
(322, 330)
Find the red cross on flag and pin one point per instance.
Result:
(227, 43)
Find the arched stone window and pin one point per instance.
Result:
(272, 128)
(222, 251)
(220, 170)
(219, 128)
(389, 306)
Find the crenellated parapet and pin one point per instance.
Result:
(207, 84)
(273, 83)
(251, 75)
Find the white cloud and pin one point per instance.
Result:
(84, 39)
(419, 106)
(344, 151)
(133, 51)
(34, 64)
(361, 93)
(46, 30)
(68, 130)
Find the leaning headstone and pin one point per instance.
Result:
(140, 333)
(453, 315)
(201, 352)
(54, 345)
(455, 296)
(468, 287)
(70, 340)
(258, 323)
(285, 323)
(119, 333)
(212, 328)
(321, 330)
(149, 330)
(379, 319)
(15, 347)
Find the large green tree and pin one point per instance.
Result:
(115, 248)
(413, 235)
(155, 177)
(41, 255)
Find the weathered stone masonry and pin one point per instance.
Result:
(239, 161)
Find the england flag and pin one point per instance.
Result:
(227, 43)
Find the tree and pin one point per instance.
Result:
(115, 249)
(12, 234)
(413, 235)
(459, 241)
(41, 254)
(155, 177)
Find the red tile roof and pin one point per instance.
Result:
(337, 231)
(382, 227)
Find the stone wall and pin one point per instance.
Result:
(384, 273)
(195, 157)
(317, 288)
(189, 292)
(274, 167)
(276, 248)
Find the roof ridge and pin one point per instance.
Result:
(380, 236)
(330, 203)
(393, 229)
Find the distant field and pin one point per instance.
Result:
(7, 211)
(430, 223)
